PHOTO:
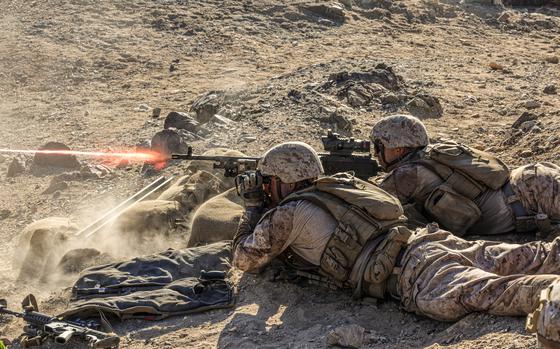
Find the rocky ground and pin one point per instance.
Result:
(246, 75)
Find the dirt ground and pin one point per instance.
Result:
(89, 73)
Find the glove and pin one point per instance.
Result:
(250, 188)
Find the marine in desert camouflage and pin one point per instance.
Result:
(463, 189)
(361, 244)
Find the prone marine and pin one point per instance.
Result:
(465, 190)
(354, 235)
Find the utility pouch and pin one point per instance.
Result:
(384, 260)
(452, 210)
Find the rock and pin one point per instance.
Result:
(206, 106)
(378, 13)
(248, 139)
(5, 213)
(496, 66)
(532, 104)
(526, 154)
(504, 17)
(2, 159)
(156, 112)
(67, 177)
(180, 121)
(425, 106)
(218, 119)
(526, 116)
(551, 59)
(168, 141)
(350, 336)
(143, 107)
(550, 89)
(56, 186)
(17, 166)
(56, 160)
(536, 129)
(333, 11)
(390, 98)
(340, 122)
(527, 125)
(356, 99)
(96, 171)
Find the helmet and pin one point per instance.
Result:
(545, 320)
(400, 131)
(291, 162)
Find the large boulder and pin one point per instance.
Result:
(168, 141)
(180, 121)
(216, 219)
(56, 160)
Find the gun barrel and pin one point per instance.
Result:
(213, 158)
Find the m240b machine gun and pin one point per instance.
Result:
(341, 157)
(41, 327)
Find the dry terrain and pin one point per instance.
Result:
(88, 73)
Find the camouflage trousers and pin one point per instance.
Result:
(538, 188)
(445, 277)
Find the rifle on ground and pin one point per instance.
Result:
(41, 327)
(340, 158)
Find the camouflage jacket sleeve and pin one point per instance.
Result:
(253, 248)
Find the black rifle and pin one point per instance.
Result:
(232, 165)
(41, 327)
(340, 158)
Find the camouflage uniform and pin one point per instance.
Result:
(300, 225)
(538, 188)
(445, 277)
(412, 183)
(433, 272)
(545, 320)
(531, 190)
(441, 276)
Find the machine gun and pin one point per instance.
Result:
(340, 158)
(41, 327)
(232, 165)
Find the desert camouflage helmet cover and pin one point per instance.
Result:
(398, 131)
(545, 320)
(291, 162)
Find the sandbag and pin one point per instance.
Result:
(192, 190)
(157, 286)
(149, 217)
(216, 219)
(39, 241)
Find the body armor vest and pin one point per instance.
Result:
(365, 214)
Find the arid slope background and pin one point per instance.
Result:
(89, 73)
